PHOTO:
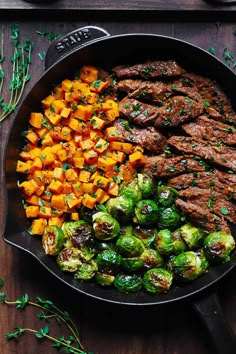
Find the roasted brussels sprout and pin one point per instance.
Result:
(52, 239)
(131, 189)
(86, 271)
(166, 195)
(192, 235)
(126, 230)
(132, 264)
(128, 283)
(146, 212)
(86, 214)
(69, 259)
(129, 246)
(147, 185)
(145, 234)
(188, 265)
(151, 258)
(218, 246)
(105, 226)
(104, 279)
(169, 218)
(121, 208)
(157, 280)
(167, 242)
(109, 262)
(79, 232)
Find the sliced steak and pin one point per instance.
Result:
(151, 69)
(149, 138)
(137, 112)
(204, 180)
(218, 155)
(202, 217)
(217, 203)
(163, 167)
(210, 129)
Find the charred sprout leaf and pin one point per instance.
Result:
(109, 262)
(192, 235)
(52, 239)
(146, 212)
(169, 218)
(151, 258)
(218, 246)
(147, 185)
(121, 208)
(129, 246)
(166, 196)
(86, 271)
(128, 283)
(131, 190)
(157, 280)
(188, 265)
(105, 226)
(104, 279)
(69, 259)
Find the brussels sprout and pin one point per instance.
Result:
(86, 271)
(69, 259)
(147, 185)
(157, 280)
(146, 212)
(79, 232)
(104, 279)
(105, 226)
(86, 214)
(128, 283)
(129, 246)
(132, 264)
(109, 262)
(102, 246)
(166, 195)
(121, 208)
(151, 258)
(218, 246)
(131, 189)
(188, 265)
(52, 239)
(145, 234)
(126, 230)
(170, 218)
(167, 242)
(192, 235)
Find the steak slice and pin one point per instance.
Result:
(218, 155)
(210, 129)
(150, 69)
(137, 112)
(149, 138)
(217, 203)
(163, 167)
(204, 180)
(202, 217)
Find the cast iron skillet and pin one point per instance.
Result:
(63, 59)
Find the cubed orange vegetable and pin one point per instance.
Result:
(90, 157)
(106, 163)
(32, 137)
(83, 112)
(32, 211)
(47, 101)
(56, 186)
(36, 119)
(99, 86)
(58, 201)
(23, 167)
(38, 226)
(101, 181)
(45, 212)
(84, 176)
(97, 123)
(112, 133)
(28, 187)
(120, 146)
(89, 201)
(101, 146)
(137, 158)
(88, 73)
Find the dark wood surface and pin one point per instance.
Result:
(105, 328)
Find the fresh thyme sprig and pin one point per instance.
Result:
(21, 60)
(48, 312)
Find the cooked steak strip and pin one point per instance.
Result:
(204, 180)
(201, 217)
(220, 155)
(149, 138)
(210, 129)
(163, 167)
(150, 69)
(217, 203)
(175, 111)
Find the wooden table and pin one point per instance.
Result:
(107, 328)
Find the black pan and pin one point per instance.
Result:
(94, 46)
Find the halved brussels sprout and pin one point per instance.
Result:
(86, 214)
(121, 208)
(166, 195)
(132, 264)
(86, 271)
(109, 262)
(52, 239)
(188, 265)
(151, 258)
(69, 259)
(128, 283)
(170, 218)
(146, 212)
(131, 190)
(105, 226)
(157, 280)
(192, 235)
(167, 242)
(218, 246)
(147, 185)
(126, 230)
(129, 246)
(79, 232)
(104, 279)
(145, 234)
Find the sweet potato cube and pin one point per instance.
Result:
(35, 152)
(59, 93)
(62, 154)
(36, 119)
(112, 133)
(56, 186)
(106, 163)
(45, 212)
(84, 176)
(57, 106)
(113, 189)
(119, 156)
(36, 164)
(66, 133)
(67, 187)
(58, 201)
(71, 200)
(137, 158)
(99, 86)
(25, 155)
(47, 156)
(53, 117)
(56, 220)
(88, 187)
(38, 226)
(90, 157)
(71, 175)
(101, 181)
(86, 145)
(65, 112)
(39, 177)
(89, 201)
(112, 113)
(74, 216)
(101, 146)
(83, 112)
(80, 90)
(28, 187)
(59, 174)
(97, 123)
(47, 101)
(77, 188)
(33, 200)
(32, 137)
(88, 73)
(67, 85)
(32, 211)
(78, 162)
(100, 194)
(120, 146)
(23, 167)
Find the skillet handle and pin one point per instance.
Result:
(71, 41)
(209, 309)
